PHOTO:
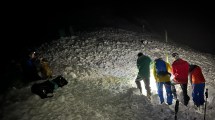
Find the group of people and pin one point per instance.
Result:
(169, 75)
(35, 67)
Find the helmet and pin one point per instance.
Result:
(175, 55)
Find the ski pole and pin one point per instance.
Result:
(206, 95)
(176, 108)
(167, 59)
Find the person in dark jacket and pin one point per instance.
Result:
(143, 65)
(198, 84)
(30, 68)
(180, 70)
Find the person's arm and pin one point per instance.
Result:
(191, 68)
(190, 78)
(137, 63)
(172, 75)
(169, 69)
(152, 68)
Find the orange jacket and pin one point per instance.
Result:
(196, 75)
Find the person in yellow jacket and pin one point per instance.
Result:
(161, 72)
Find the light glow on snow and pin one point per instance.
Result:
(102, 84)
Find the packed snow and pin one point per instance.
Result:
(100, 67)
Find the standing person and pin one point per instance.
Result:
(180, 70)
(161, 71)
(198, 84)
(143, 65)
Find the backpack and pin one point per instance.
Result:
(160, 67)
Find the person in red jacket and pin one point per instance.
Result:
(180, 70)
(198, 84)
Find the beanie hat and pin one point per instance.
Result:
(139, 54)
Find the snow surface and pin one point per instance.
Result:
(100, 67)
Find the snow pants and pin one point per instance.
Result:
(198, 94)
(146, 81)
(168, 92)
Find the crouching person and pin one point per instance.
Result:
(198, 84)
(45, 70)
(162, 76)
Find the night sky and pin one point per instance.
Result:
(30, 25)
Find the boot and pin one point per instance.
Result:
(149, 95)
(186, 101)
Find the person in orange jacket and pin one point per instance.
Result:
(198, 84)
(45, 69)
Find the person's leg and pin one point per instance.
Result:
(137, 81)
(174, 91)
(160, 91)
(147, 86)
(139, 86)
(168, 92)
(186, 97)
(201, 93)
(195, 94)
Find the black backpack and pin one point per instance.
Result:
(160, 67)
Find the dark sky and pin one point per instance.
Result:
(187, 23)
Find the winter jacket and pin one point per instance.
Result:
(30, 70)
(143, 65)
(45, 70)
(196, 75)
(180, 69)
(165, 78)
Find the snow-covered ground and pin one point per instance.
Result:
(100, 67)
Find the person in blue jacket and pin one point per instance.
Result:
(30, 68)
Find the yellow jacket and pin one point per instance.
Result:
(165, 78)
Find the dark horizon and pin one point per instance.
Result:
(188, 24)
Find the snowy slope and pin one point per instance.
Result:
(101, 68)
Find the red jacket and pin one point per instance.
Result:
(196, 76)
(180, 70)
